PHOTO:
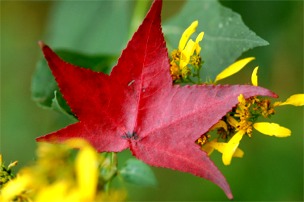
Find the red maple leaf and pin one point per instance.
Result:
(138, 107)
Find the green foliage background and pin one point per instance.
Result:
(272, 168)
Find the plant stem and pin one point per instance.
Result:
(113, 163)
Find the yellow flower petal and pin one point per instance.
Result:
(219, 146)
(272, 129)
(77, 143)
(87, 172)
(254, 77)
(220, 124)
(199, 37)
(86, 168)
(54, 192)
(231, 147)
(208, 147)
(296, 100)
(186, 53)
(186, 35)
(197, 40)
(232, 121)
(238, 153)
(234, 68)
(241, 99)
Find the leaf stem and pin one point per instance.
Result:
(113, 163)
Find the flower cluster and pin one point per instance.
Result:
(241, 120)
(63, 174)
(186, 60)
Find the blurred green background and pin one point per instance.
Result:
(272, 168)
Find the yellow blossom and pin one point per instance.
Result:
(241, 121)
(58, 175)
(187, 54)
(234, 68)
(14, 188)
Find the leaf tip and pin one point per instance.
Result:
(46, 138)
(229, 195)
(40, 139)
(41, 44)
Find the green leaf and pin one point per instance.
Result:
(226, 36)
(60, 105)
(137, 172)
(43, 84)
(90, 26)
(44, 88)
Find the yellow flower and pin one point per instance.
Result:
(58, 175)
(14, 188)
(187, 53)
(273, 129)
(86, 170)
(242, 120)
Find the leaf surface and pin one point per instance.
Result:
(84, 25)
(226, 36)
(138, 173)
(44, 87)
(138, 107)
